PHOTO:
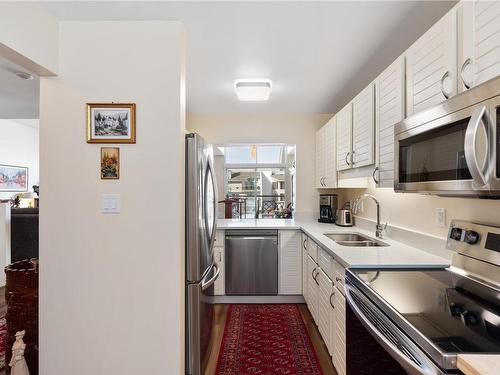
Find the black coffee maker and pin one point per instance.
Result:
(327, 208)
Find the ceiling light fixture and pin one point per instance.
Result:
(253, 89)
(24, 75)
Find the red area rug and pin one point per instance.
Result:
(266, 340)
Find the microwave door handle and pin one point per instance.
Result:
(480, 179)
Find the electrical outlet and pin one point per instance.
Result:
(441, 217)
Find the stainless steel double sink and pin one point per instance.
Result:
(354, 240)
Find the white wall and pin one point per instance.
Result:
(19, 146)
(29, 36)
(418, 212)
(291, 129)
(112, 286)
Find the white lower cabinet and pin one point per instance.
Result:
(304, 267)
(312, 287)
(330, 344)
(339, 350)
(219, 289)
(323, 290)
(290, 262)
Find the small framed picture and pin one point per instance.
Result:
(110, 123)
(13, 178)
(110, 163)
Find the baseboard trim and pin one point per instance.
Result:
(259, 299)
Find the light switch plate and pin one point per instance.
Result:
(441, 216)
(110, 204)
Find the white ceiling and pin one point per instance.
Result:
(318, 54)
(18, 97)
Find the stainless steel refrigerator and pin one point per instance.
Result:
(201, 270)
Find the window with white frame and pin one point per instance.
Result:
(258, 180)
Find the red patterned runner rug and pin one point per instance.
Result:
(266, 340)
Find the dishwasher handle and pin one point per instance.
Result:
(253, 233)
(255, 238)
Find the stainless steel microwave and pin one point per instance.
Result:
(452, 149)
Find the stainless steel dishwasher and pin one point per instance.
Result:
(251, 262)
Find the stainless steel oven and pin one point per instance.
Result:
(451, 149)
(425, 318)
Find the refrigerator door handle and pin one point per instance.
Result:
(205, 284)
(210, 175)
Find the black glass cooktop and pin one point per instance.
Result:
(454, 312)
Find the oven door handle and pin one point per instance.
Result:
(479, 174)
(408, 365)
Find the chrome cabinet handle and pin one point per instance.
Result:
(346, 161)
(445, 75)
(352, 158)
(338, 279)
(316, 278)
(312, 273)
(464, 65)
(331, 295)
(205, 284)
(373, 175)
(479, 176)
(304, 244)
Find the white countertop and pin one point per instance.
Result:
(396, 255)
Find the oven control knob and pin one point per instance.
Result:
(456, 234)
(471, 237)
(469, 318)
(456, 309)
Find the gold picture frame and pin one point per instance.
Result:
(110, 163)
(111, 123)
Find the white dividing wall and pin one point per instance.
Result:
(19, 146)
(112, 286)
(299, 130)
(4, 239)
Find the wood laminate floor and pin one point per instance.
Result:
(321, 351)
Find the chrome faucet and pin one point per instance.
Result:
(379, 229)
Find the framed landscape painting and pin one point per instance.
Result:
(110, 163)
(13, 178)
(110, 123)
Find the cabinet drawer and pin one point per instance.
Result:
(312, 249)
(325, 261)
(339, 276)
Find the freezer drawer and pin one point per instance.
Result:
(251, 262)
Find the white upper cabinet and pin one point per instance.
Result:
(330, 154)
(320, 157)
(363, 128)
(344, 137)
(390, 109)
(431, 66)
(479, 42)
(326, 169)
